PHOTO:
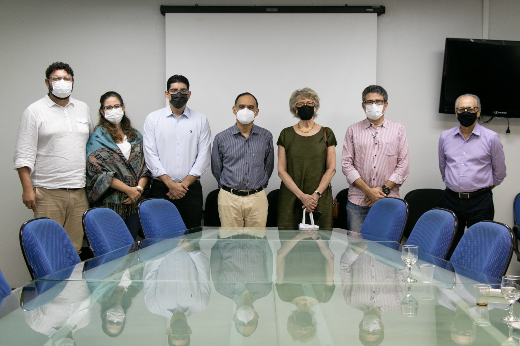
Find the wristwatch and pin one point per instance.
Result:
(316, 192)
(386, 190)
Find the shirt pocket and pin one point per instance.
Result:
(390, 149)
(82, 124)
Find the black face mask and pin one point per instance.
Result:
(305, 112)
(303, 319)
(467, 119)
(178, 100)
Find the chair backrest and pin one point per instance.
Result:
(419, 202)
(516, 209)
(386, 219)
(106, 231)
(485, 248)
(272, 209)
(160, 219)
(211, 217)
(46, 247)
(342, 198)
(5, 289)
(434, 231)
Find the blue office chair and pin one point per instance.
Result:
(433, 232)
(485, 248)
(46, 247)
(160, 219)
(516, 226)
(5, 289)
(106, 231)
(386, 220)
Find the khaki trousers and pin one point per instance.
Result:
(66, 208)
(242, 211)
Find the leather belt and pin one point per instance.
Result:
(69, 189)
(467, 195)
(241, 192)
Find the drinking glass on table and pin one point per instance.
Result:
(409, 255)
(510, 289)
(409, 305)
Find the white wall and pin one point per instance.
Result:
(118, 44)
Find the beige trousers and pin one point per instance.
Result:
(242, 211)
(64, 207)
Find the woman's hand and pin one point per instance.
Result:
(309, 202)
(133, 193)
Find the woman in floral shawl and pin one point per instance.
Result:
(116, 171)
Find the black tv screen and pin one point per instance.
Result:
(489, 69)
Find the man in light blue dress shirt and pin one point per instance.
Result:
(177, 149)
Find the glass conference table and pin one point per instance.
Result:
(253, 287)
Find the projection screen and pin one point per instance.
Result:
(270, 55)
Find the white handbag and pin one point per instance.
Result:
(303, 226)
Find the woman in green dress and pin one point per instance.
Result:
(306, 164)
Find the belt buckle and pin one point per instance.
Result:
(461, 195)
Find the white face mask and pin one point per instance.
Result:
(245, 313)
(114, 115)
(374, 111)
(61, 89)
(116, 314)
(371, 323)
(245, 116)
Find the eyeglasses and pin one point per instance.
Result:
(109, 108)
(182, 91)
(57, 79)
(467, 109)
(308, 103)
(116, 323)
(377, 102)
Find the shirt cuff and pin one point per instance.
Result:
(396, 179)
(497, 182)
(349, 256)
(21, 164)
(157, 172)
(353, 176)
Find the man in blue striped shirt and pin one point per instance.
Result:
(242, 161)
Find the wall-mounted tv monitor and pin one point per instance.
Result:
(489, 69)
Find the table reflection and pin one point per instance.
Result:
(304, 278)
(115, 295)
(176, 286)
(64, 315)
(241, 270)
(371, 287)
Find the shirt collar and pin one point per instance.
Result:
(51, 103)
(476, 131)
(236, 131)
(186, 112)
(367, 123)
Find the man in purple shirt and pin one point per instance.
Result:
(472, 163)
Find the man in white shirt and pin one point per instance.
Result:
(177, 150)
(50, 153)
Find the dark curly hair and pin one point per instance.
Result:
(58, 66)
(110, 128)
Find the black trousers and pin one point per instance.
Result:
(469, 212)
(189, 206)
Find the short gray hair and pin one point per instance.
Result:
(465, 95)
(376, 89)
(301, 93)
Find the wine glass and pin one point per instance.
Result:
(510, 289)
(510, 341)
(409, 305)
(409, 255)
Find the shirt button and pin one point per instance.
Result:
(461, 175)
(463, 164)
